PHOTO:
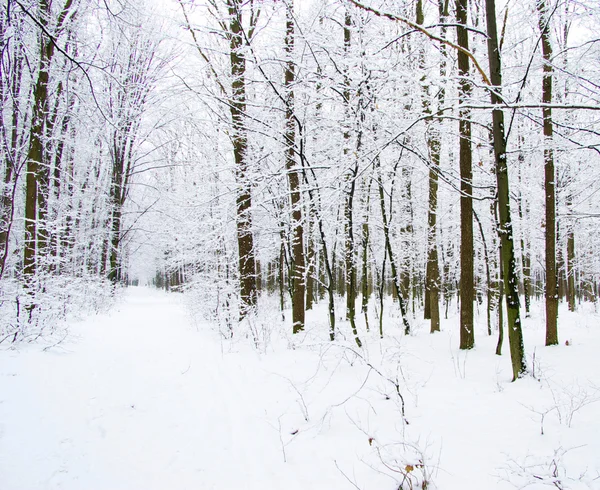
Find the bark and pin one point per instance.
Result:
(36, 174)
(297, 247)
(365, 256)
(237, 107)
(349, 249)
(310, 259)
(549, 179)
(571, 268)
(282, 280)
(509, 272)
(432, 272)
(500, 308)
(467, 337)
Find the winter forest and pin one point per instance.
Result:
(299, 243)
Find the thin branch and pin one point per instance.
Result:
(430, 35)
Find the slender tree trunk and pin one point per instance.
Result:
(549, 179)
(467, 337)
(381, 288)
(487, 275)
(511, 281)
(525, 253)
(282, 280)
(365, 256)
(406, 232)
(349, 249)
(500, 307)
(388, 248)
(237, 105)
(310, 259)
(571, 266)
(297, 247)
(432, 272)
(10, 93)
(325, 262)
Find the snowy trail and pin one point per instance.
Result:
(141, 400)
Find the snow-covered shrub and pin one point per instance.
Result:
(39, 309)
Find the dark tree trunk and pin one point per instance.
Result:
(432, 272)
(365, 256)
(505, 230)
(37, 178)
(549, 179)
(297, 247)
(237, 106)
(310, 259)
(467, 337)
(349, 248)
(571, 268)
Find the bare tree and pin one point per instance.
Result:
(549, 178)
(467, 337)
(505, 229)
(293, 174)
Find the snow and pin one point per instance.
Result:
(147, 397)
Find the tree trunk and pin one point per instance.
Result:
(525, 253)
(349, 249)
(10, 93)
(388, 248)
(297, 247)
(432, 272)
(281, 280)
(36, 179)
(549, 179)
(237, 106)
(467, 337)
(487, 275)
(310, 259)
(365, 256)
(511, 281)
(571, 268)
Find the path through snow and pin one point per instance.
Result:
(140, 400)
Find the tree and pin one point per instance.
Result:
(237, 104)
(467, 337)
(352, 176)
(432, 273)
(52, 27)
(133, 74)
(505, 229)
(14, 102)
(231, 23)
(293, 174)
(549, 178)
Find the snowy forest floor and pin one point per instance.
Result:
(143, 397)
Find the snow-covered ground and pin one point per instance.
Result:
(145, 398)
